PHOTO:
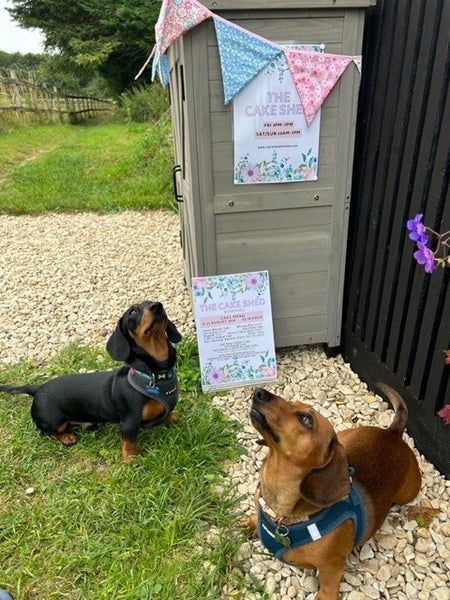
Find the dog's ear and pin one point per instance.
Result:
(322, 487)
(118, 344)
(172, 332)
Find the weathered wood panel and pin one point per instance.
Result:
(24, 101)
(295, 230)
(220, 5)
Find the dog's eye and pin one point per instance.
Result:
(133, 312)
(305, 419)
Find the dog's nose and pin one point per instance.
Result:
(155, 307)
(260, 395)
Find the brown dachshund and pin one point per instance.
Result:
(321, 494)
(145, 390)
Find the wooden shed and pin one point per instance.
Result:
(295, 230)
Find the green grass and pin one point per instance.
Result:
(101, 167)
(79, 523)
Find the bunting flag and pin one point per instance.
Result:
(242, 56)
(175, 19)
(164, 70)
(315, 74)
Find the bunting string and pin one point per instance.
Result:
(243, 54)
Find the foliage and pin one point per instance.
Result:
(423, 515)
(90, 526)
(113, 37)
(444, 413)
(51, 70)
(143, 103)
(430, 259)
(100, 167)
(22, 62)
(54, 71)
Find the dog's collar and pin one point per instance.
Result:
(278, 537)
(280, 520)
(162, 385)
(147, 381)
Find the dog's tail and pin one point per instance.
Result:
(398, 425)
(20, 389)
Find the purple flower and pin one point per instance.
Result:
(251, 173)
(253, 281)
(417, 229)
(216, 375)
(425, 257)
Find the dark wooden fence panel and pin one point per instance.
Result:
(397, 317)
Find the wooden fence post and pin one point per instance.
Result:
(22, 97)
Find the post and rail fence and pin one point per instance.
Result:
(23, 101)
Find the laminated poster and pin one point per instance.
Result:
(233, 317)
(272, 141)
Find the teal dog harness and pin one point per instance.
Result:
(162, 386)
(278, 538)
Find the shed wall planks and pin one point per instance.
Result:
(297, 230)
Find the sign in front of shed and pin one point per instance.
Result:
(264, 101)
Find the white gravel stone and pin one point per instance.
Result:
(441, 593)
(354, 595)
(70, 277)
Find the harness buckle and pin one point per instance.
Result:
(281, 536)
(153, 391)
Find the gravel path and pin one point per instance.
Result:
(70, 277)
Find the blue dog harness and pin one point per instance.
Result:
(162, 386)
(278, 538)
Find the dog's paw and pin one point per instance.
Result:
(249, 524)
(66, 438)
(128, 457)
(171, 419)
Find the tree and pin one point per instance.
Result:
(52, 71)
(16, 60)
(115, 37)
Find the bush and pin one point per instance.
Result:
(143, 103)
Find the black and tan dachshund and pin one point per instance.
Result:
(143, 391)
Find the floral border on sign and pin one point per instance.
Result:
(213, 375)
(233, 285)
(276, 170)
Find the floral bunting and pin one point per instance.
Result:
(242, 56)
(315, 75)
(164, 70)
(175, 19)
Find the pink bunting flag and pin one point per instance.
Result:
(175, 19)
(315, 74)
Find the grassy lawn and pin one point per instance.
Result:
(100, 167)
(79, 523)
